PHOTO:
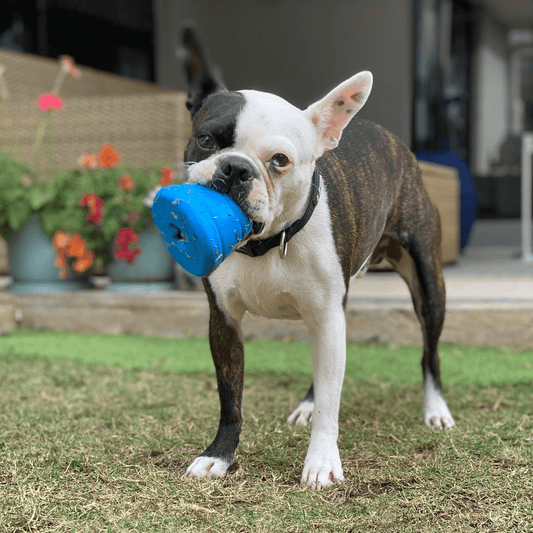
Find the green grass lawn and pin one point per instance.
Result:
(97, 431)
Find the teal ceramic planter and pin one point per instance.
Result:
(31, 262)
(152, 270)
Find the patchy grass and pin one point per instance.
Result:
(88, 446)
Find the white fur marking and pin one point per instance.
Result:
(208, 467)
(302, 415)
(436, 412)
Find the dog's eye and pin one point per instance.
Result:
(206, 142)
(280, 161)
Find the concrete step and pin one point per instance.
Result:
(371, 316)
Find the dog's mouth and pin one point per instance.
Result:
(257, 227)
(241, 180)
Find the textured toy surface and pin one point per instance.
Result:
(199, 226)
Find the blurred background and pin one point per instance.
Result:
(452, 77)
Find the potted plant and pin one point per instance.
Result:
(101, 221)
(87, 220)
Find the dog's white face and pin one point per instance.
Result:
(261, 150)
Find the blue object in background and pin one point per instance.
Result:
(199, 226)
(469, 201)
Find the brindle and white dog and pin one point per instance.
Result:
(328, 194)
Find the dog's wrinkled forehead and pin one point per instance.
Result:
(248, 120)
(271, 123)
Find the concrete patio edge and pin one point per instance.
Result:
(182, 314)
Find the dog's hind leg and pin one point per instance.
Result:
(415, 254)
(227, 349)
(303, 414)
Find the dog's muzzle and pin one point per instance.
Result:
(233, 176)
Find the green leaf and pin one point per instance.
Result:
(11, 195)
(17, 213)
(40, 196)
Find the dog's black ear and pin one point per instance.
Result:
(202, 79)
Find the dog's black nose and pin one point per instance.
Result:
(236, 170)
(232, 173)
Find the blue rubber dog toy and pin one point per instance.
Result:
(199, 226)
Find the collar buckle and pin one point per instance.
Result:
(283, 245)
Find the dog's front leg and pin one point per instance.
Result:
(322, 465)
(227, 350)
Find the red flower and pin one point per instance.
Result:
(126, 183)
(124, 238)
(108, 156)
(48, 101)
(95, 205)
(67, 64)
(167, 175)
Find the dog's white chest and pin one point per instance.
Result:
(261, 286)
(304, 283)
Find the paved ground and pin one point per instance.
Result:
(489, 301)
(489, 273)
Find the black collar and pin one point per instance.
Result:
(258, 247)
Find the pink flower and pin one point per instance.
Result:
(48, 101)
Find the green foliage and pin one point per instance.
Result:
(58, 202)
(20, 194)
(121, 208)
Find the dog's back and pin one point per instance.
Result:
(379, 175)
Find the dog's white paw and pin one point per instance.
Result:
(302, 415)
(208, 467)
(436, 412)
(322, 471)
(439, 420)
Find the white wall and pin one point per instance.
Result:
(300, 49)
(490, 105)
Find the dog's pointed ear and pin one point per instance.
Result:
(202, 79)
(332, 114)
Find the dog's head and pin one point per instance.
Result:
(257, 147)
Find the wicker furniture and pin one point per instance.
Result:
(143, 121)
(444, 190)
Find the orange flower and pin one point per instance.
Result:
(84, 262)
(71, 246)
(167, 175)
(108, 156)
(88, 160)
(67, 64)
(61, 263)
(48, 101)
(76, 246)
(126, 183)
(60, 240)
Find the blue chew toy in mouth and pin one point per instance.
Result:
(199, 226)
